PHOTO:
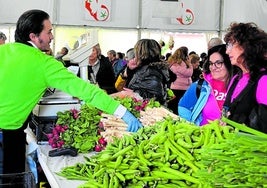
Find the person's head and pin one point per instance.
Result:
(147, 51)
(192, 52)
(2, 38)
(34, 26)
(194, 60)
(167, 56)
(95, 54)
(179, 55)
(214, 42)
(119, 55)
(64, 51)
(161, 43)
(203, 56)
(218, 64)
(130, 58)
(129, 54)
(247, 47)
(171, 43)
(111, 55)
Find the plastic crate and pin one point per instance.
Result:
(41, 127)
(17, 180)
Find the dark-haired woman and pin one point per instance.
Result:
(246, 100)
(207, 105)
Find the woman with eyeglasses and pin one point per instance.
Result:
(203, 101)
(246, 100)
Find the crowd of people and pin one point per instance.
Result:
(206, 86)
(227, 81)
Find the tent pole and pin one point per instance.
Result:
(138, 27)
(221, 18)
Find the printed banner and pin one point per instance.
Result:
(97, 10)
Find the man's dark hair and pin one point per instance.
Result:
(30, 21)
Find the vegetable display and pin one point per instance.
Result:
(167, 154)
(81, 128)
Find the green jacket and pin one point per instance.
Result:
(26, 72)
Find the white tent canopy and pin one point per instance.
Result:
(190, 22)
(208, 15)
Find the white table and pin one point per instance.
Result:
(51, 165)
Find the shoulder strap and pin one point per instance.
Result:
(199, 85)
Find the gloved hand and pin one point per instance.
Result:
(132, 122)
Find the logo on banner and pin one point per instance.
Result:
(186, 15)
(98, 10)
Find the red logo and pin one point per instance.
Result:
(187, 16)
(98, 10)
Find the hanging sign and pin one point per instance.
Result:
(98, 10)
(186, 16)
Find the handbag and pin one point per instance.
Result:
(120, 83)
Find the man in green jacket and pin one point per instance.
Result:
(26, 72)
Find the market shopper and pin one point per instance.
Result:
(26, 72)
(127, 72)
(151, 75)
(180, 65)
(246, 100)
(203, 101)
(100, 70)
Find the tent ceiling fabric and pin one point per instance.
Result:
(245, 11)
(183, 15)
(11, 10)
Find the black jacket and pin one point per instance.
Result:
(244, 108)
(105, 76)
(151, 81)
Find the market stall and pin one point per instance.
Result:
(168, 151)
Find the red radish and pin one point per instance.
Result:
(102, 141)
(98, 148)
(101, 125)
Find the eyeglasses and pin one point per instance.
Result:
(217, 64)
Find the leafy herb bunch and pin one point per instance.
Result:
(76, 128)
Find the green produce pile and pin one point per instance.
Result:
(80, 128)
(239, 161)
(167, 154)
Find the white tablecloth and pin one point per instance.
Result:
(50, 165)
